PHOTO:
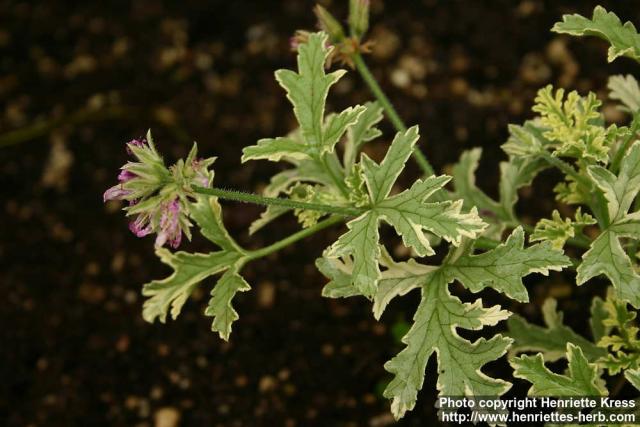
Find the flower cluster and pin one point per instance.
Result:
(158, 195)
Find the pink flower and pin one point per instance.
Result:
(170, 229)
(115, 193)
(136, 143)
(141, 226)
(125, 176)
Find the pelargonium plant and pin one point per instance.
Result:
(481, 242)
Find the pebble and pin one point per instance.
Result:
(266, 294)
(166, 417)
(266, 384)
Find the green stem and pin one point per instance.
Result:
(240, 196)
(302, 234)
(392, 114)
(567, 169)
(564, 167)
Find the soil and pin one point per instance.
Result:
(75, 350)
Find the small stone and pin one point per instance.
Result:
(382, 420)
(284, 374)
(266, 294)
(328, 350)
(92, 268)
(156, 393)
(379, 329)
(613, 114)
(459, 86)
(122, 345)
(163, 350)
(266, 384)
(289, 389)
(91, 293)
(400, 78)
(42, 364)
(241, 381)
(166, 417)
(369, 399)
(414, 66)
(534, 69)
(387, 43)
(118, 262)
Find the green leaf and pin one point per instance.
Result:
(558, 231)
(620, 191)
(189, 270)
(633, 376)
(339, 273)
(459, 360)
(440, 313)
(307, 90)
(525, 140)
(410, 215)
(552, 340)
(397, 280)
(361, 242)
(464, 179)
(582, 378)
(504, 267)
(571, 124)
(207, 213)
(626, 90)
(606, 254)
(275, 149)
(407, 212)
(220, 303)
(523, 146)
(380, 178)
(621, 338)
(337, 124)
(624, 39)
(170, 294)
(361, 132)
(518, 172)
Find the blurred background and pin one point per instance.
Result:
(79, 79)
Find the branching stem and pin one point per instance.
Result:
(306, 232)
(240, 196)
(392, 114)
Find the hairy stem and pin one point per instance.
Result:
(240, 196)
(304, 233)
(392, 114)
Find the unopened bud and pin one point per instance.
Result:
(358, 17)
(329, 24)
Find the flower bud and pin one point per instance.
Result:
(329, 24)
(358, 18)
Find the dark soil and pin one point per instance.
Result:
(74, 348)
